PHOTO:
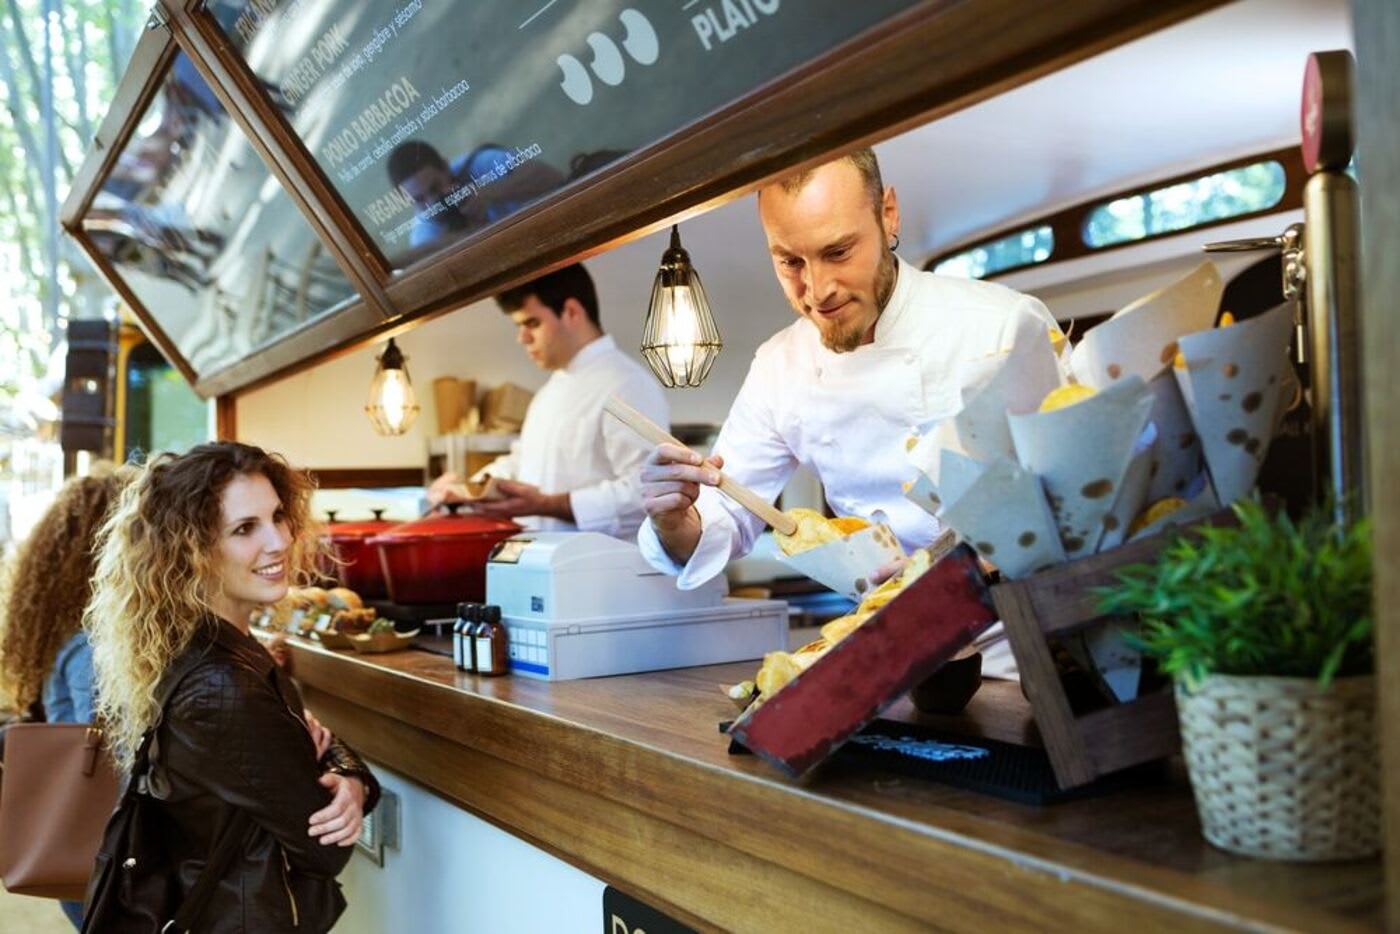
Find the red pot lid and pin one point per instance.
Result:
(437, 528)
(357, 530)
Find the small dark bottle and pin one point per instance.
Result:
(463, 646)
(492, 650)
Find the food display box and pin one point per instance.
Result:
(584, 605)
(942, 611)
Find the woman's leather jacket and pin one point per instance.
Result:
(232, 736)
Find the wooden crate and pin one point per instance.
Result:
(1059, 602)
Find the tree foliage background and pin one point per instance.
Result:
(60, 61)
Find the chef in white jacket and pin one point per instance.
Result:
(574, 467)
(878, 349)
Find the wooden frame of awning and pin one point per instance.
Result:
(938, 57)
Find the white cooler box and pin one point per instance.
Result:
(584, 605)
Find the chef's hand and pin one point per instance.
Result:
(339, 822)
(886, 571)
(524, 499)
(671, 481)
(319, 734)
(448, 488)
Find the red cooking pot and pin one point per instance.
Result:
(358, 564)
(440, 559)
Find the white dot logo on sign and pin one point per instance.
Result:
(608, 65)
(607, 60)
(640, 41)
(576, 82)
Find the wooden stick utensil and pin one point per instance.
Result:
(648, 429)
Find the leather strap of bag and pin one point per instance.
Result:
(226, 847)
(226, 843)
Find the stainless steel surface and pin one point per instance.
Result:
(1334, 338)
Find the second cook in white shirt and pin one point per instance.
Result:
(574, 467)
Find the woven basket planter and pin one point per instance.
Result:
(1282, 769)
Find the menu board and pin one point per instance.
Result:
(203, 234)
(436, 119)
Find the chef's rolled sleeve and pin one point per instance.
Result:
(756, 456)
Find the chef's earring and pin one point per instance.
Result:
(894, 246)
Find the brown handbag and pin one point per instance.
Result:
(60, 786)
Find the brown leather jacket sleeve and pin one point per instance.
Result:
(228, 731)
(339, 757)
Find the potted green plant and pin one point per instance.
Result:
(1265, 627)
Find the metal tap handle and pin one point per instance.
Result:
(1247, 245)
(1290, 244)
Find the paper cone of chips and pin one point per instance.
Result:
(846, 565)
(1198, 507)
(1142, 338)
(1081, 454)
(926, 450)
(1005, 517)
(1234, 383)
(1176, 458)
(1132, 492)
(926, 456)
(1028, 372)
(922, 493)
(958, 475)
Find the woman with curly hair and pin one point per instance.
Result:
(45, 660)
(196, 543)
(44, 654)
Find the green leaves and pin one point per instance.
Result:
(1265, 597)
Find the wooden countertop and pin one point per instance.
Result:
(627, 778)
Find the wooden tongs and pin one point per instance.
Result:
(648, 429)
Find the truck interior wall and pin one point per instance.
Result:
(315, 418)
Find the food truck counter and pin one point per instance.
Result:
(628, 779)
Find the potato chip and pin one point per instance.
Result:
(742, 694)
(1065, 396)
(849, 525)
(838, 629)
(881, 595)
(1155, 513)
(778, 669)
(818, 646)
(919, 562)
(813, 531)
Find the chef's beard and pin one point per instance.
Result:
(844, 338)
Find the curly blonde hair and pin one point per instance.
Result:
(49, 582)
(156, 578)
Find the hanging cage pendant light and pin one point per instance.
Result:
(680, 340)
(392, 403)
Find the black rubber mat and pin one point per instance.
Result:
(988, 766)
